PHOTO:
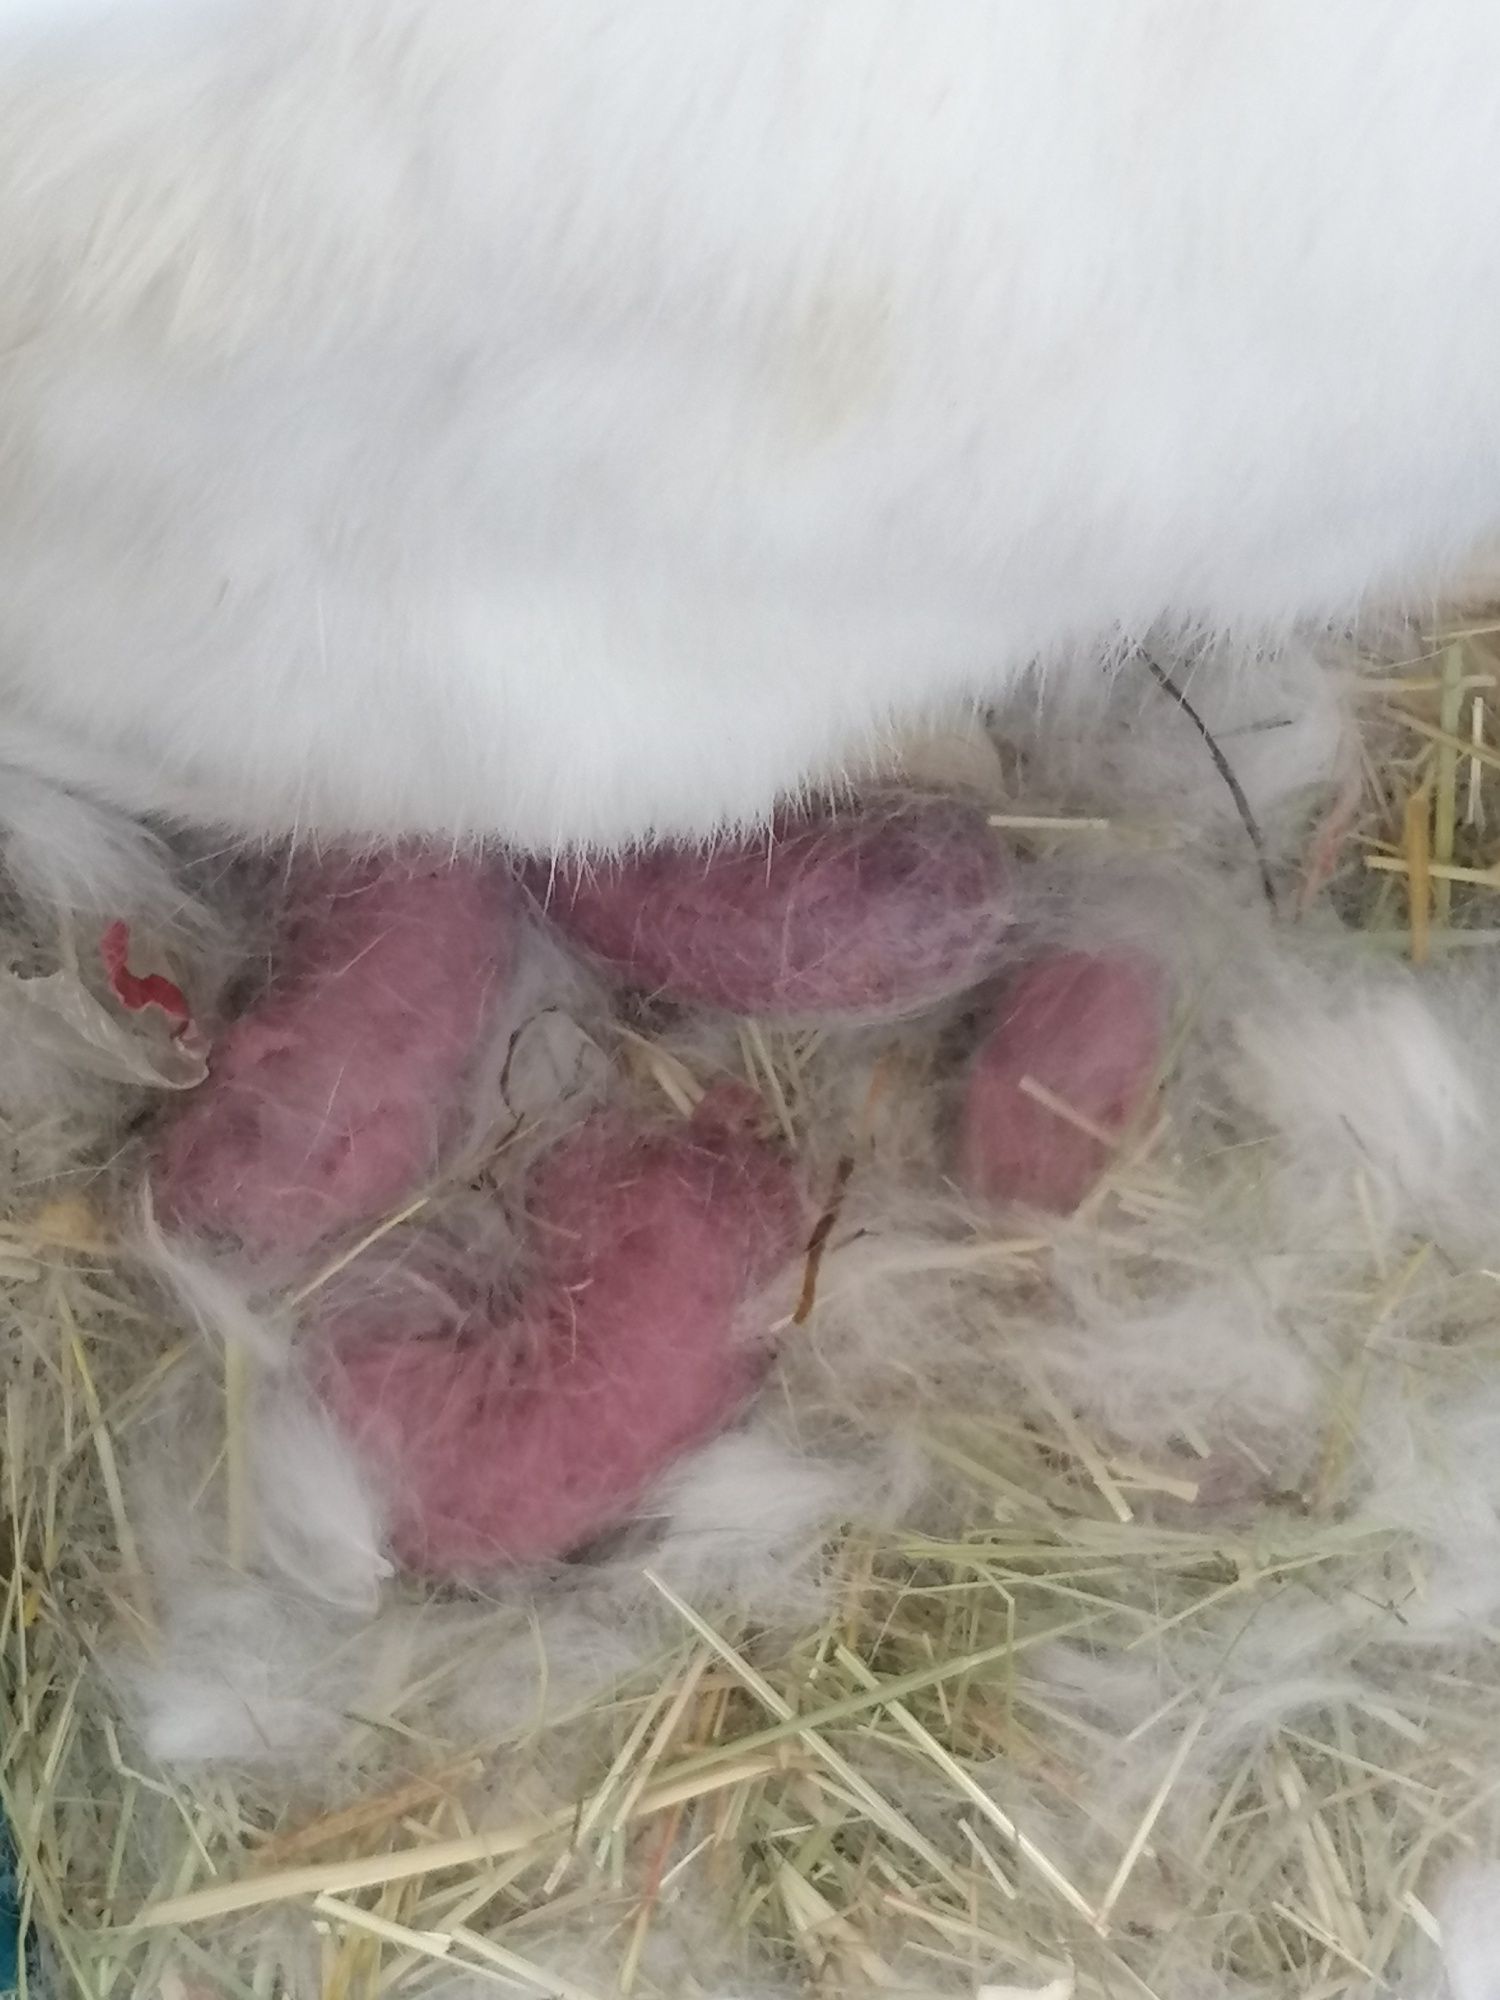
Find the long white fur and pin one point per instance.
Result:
(576, 423)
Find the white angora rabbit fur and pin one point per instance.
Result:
(577, 420)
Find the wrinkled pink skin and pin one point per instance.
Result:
(524, 1436)
(327, 1102)
(1089, 1030)
(869, 914)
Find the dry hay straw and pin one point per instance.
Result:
(893, 1797)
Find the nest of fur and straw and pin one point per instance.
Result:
(890, 1771)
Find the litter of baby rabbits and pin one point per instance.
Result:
(969, 1482)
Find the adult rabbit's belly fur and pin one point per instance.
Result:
(580, 424)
